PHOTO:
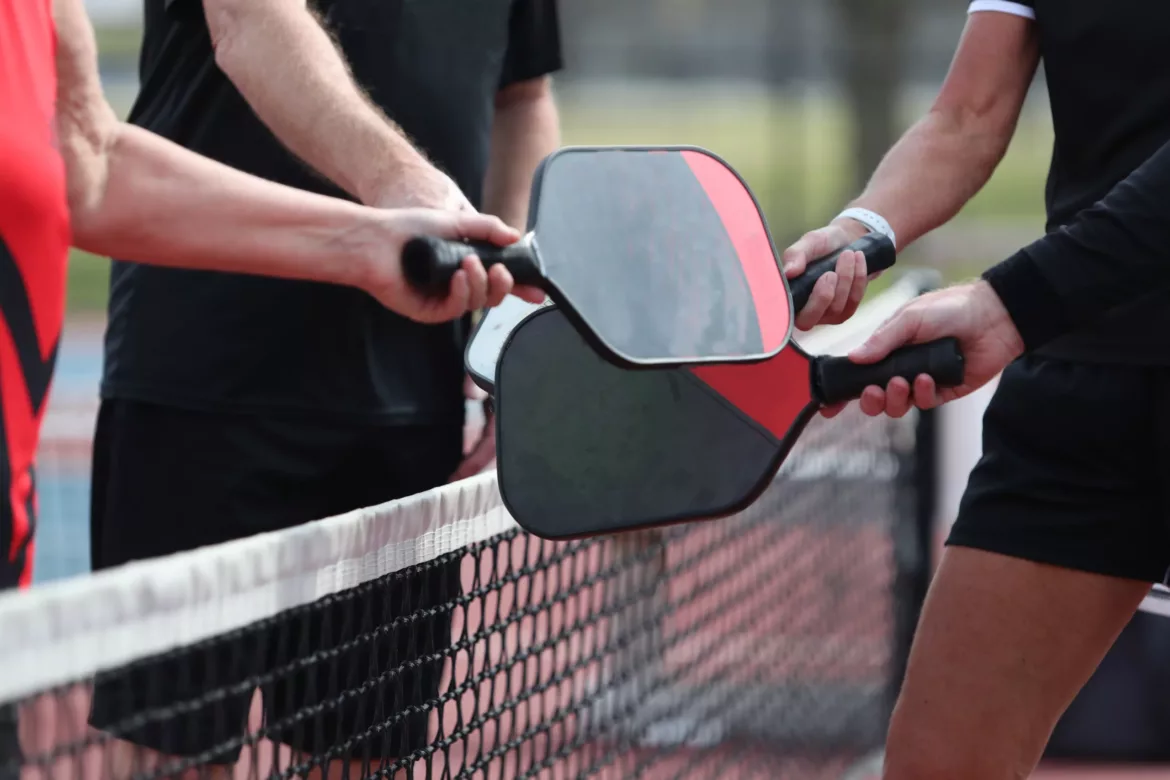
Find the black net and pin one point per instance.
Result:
(761, 645)
(432, 639)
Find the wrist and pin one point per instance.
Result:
(1032, 304)
(851, 227)
(998, 317)
(359, 240)
(385, 180)
(871, 220)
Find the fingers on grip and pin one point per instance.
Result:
(879, 255)
(839, 379)
(429, 263)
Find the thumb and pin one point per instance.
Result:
(484, 227)
(893, 333)
(795, 258)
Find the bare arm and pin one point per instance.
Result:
(286, 66)
(526, 130)
(136, 196)
(948, 155)
(938, 164)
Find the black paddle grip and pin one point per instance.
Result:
(429, 263)
(838, 379)
(879, 255)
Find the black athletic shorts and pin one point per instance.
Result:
(167, 480)
(10, 757)
(1075, 469)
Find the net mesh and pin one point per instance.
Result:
(430, 638)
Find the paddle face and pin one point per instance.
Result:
(585, 447)
(661, 256)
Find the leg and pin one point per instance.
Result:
(1003, 647)
(374, 675)
(167, 480)
(1059, 536)
(10, 755)
(371, 701)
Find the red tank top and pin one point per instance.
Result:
(34, 243)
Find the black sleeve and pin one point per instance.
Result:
(1113, 253)
(534, 41)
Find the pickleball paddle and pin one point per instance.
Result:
(659, 256)
(487, 340)
(585, 447)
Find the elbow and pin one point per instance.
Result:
(525, 93)
(86, 207)
(981, 134)
(87, 154)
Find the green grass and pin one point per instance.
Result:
(89, 277)
(795, 156)
(119, 43)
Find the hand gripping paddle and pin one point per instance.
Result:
(585, 447)
(658, 256)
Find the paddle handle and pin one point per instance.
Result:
(429, 262)
(879, 255)
(838, 379)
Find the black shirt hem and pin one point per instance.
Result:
(141, 394)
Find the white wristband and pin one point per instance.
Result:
(872, 220)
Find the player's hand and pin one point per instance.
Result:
(836, 295)
(472, 287)
(479, 451)
(973, 314)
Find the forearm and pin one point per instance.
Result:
(1114, 253)
(155, 202)
(933, 170)
(948, 155)
(136, 196)
(525, 132)
(291, 74)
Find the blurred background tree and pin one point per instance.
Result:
(870, 56)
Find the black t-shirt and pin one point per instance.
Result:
(1109, 90)
(230, 342)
